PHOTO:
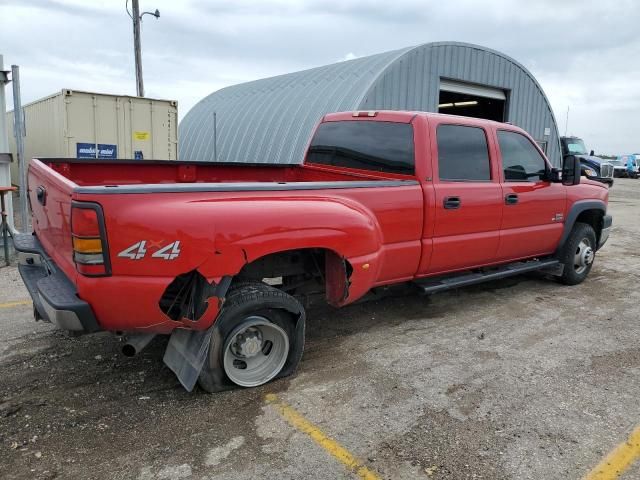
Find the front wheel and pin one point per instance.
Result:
(258, 337)
(578, 254)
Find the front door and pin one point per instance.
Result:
(534, 208)
(468, 198)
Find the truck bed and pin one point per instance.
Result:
(217, 218)
(110, 173)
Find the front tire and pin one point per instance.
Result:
(258, 337)
(578, 254)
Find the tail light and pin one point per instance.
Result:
(90, 250)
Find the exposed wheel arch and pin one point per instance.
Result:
(302, 269)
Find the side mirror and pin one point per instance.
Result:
(592, 153)
(571, 170)
(555, 175)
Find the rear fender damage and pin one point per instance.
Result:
(194, 302)
(337, 278)
(191, 300)
(188, 350)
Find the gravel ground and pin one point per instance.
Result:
(517, 379)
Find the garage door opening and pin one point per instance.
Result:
(472, 101)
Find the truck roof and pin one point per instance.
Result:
(406, 116)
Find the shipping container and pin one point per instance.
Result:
(77, 124)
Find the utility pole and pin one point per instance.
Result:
(566, 122)
(136, 16)
(137, 48)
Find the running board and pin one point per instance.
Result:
(439, 284)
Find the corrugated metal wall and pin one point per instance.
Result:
(270, 120)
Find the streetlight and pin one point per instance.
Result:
(137, 18)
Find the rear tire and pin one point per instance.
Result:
(578, 254)
(258, 337)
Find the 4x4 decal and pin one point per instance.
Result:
(138, 251)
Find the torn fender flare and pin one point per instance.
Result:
(187, 349)
(349, 279)
(194, 301)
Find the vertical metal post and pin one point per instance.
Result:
(5, 168)
(137, 49)
(566, 122)
(18, 129)
(215, 138)
(3, 226)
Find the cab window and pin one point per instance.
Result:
(463, 154)
(365, 145)
(521, 161)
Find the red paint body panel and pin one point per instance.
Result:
(530, 228)
(52, 221)
(390, 229)
(467, 236)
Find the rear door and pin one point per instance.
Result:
(534, 208)
(468, 196)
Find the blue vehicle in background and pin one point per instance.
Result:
(594, 168)
(627, 166)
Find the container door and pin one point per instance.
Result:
(91, 125)
(141, 115)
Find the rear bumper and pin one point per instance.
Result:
(607, 221)
(54, 296)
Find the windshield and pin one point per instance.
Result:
(615, 162)
(576, 146)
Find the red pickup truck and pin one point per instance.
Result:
(219, 255)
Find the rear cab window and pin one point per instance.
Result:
(364, 145)
(463, 154)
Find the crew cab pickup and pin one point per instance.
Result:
(221, 256)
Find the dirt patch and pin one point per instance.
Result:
(616, 362)
(442, 447)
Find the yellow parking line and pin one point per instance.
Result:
(297, 421)
(619, 460)
(15, 304)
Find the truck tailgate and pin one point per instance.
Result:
(50, 196)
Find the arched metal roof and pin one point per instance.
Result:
(270, 120)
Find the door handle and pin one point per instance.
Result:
(511, 199)
(452, 203)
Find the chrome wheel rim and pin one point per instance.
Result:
(584, 256)
(255, 352)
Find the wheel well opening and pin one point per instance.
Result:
(305, 273)
(593, 218)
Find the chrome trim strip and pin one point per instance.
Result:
(241, 186)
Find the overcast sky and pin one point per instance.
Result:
(585, 54)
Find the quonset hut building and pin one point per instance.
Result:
(271, 120)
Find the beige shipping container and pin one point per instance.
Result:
(75, 124)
